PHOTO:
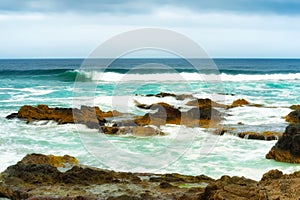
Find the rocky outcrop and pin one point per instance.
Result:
(287, 149)
(29, 180)
(55, 161)
(167, 114)
(133, 130)
(203, 103)
(92, 117)
(273, 185)
(44, 181)
(267, 135)
(295, 107)
(293, 117)
(242, 102)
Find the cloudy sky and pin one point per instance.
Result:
(224, 28)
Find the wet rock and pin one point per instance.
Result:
(55, 161)
(92, 117)
(295, 107)
(287, 149)
(133, 130)
(233, 188)
(238, 103)
(267, 135)
(165, 94)
(12, 116)
(167, 114)
(293, 117)
(43, 181)
(204, 103)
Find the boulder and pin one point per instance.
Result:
(167, 114)
(203, 103)
(293, 117)
(92, 117)
(287, 149)
(134, 130)
(295, 107)
(55, 161)
(238, 103)
(267, 135)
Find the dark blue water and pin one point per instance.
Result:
(63, 69)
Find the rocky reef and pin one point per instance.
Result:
(36, 177)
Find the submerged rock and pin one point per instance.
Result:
(287, 149)
(165, 94)
(267, 135)
(133, 130)
(27, 180)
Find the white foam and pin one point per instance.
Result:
(183, 76)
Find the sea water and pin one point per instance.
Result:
(274, 83)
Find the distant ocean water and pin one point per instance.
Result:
(271, 82)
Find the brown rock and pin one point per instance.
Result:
(267, 135)
(167, 114)
(295, 107)
(287, 149)
(203, 103)
(238, 103)
(134, 130)
(92, 117)
(55, 161)
(293, 117)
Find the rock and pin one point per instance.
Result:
(12, 116)
(276, 185)
(267, 135)
(165, 94)
(287, 149)
(295, 107)
(233, 188)
(203, 103)
(43, 181)
(134, 130)
(167, 114)
(293, 117)
(238, 103)
(55, 161)
(26, 180)
(92, 117)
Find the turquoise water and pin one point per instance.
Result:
(184, 150)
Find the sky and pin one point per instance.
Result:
(223, 28)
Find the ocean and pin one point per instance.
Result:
(274, 83)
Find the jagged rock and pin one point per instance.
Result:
(167, 114)
(287, 149)
(293, 117)
(44, 181)
(92, 117)
(56, 161)
(233, 188)
(295, 107)
(238, 103)
(202, 103)
(26, 180)
(267, 135)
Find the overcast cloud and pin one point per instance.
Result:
(225, 28)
